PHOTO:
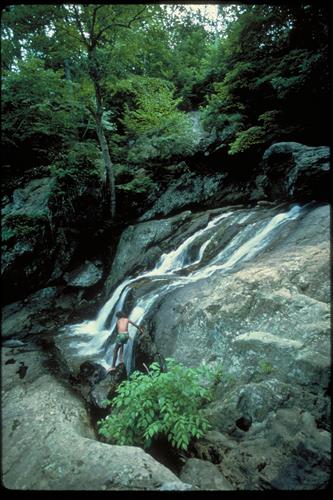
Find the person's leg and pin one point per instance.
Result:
(121, 351)
(115, 353)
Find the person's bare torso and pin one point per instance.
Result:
(122, 325)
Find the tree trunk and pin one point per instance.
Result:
(108, 166)
(98, 116)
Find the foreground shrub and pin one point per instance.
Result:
(166, 404)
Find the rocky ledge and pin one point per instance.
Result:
(48, 442)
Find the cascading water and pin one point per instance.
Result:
(91, 339)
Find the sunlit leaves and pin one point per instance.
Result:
(154, 122)
(35, 101)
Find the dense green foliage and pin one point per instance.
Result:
(124, 76)
(265, 90)
(155, 126)
(166, 404)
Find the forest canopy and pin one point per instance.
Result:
(110, 88)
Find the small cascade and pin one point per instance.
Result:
(174, 260)
(91, 339)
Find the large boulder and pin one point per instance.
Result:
(49, 444)
(268, 323)
(294, 171)
(86, 275)
(189, 191)
(288, 452)
(282, 296)
(43, 312)
(28, 316)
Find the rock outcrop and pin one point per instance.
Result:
(39, 241)
(205, 475)
(151, 239)
(48, 442)
(288, 171)
(86, 275)
(27, 250)
(44, 311)
(189, 191)
(294, 171)
(268, 323)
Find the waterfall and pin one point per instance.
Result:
(175, 269)
(174, 260)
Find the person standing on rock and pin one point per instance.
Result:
(122, 337)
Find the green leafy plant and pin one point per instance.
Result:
(262, 371)
(265, 367)
(157, 128)
(247, 139)
(169, 404)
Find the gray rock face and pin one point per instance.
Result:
(88, 274)
(288, 171)
(32, 199)
(187, 191)
(295, 171)
(20, 318)
(43, 312)
(288, 452)
(176, 486)
(204, 475)
(39, 243)
(268, 323)
(48, 443)
(27, 249)
(285, 293)
(141, 245)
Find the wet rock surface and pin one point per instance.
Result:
(150, 239)
(268, 322)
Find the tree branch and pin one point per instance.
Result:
(61, 28)
(121, 25)
(79, 25)
(93, 22)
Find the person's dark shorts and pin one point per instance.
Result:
(122, 338)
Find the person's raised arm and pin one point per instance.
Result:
(136, 326)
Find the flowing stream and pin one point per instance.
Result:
(188, 263)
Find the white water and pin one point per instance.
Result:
(174, 260)
(89, 338)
